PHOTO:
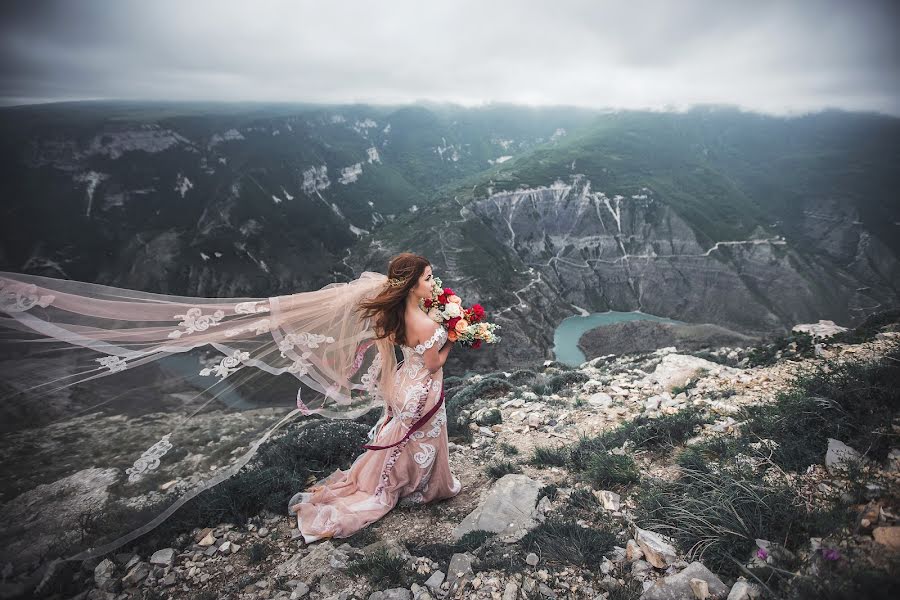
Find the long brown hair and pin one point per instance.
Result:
(389, 306)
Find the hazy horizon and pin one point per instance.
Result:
(773, 58)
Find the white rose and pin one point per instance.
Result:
(453, 310)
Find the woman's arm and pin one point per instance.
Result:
(435, 359)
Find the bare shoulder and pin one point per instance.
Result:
(420, 329)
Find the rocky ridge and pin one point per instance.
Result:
(265, 557)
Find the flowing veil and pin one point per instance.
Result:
(199, 384)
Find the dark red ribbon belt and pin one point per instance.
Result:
(415, 426)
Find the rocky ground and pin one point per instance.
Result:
(506, 495)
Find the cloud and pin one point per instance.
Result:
(770, 56)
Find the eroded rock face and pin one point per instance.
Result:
(48, 515)
(676, 369)
(822, 328)
(638, 253)
(508, 509)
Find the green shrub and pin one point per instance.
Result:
(485, 388)
(667, 430)
(257, 552)
(382, 568)
(563, 380)
(693, 458)
(643, 433)
(716, 516)
(521, 377)
(795, 344)
(566, 542)
(547, 456)
(854, 580)
(550, 490)
(632, 589)
(491, 417)
(499, 469)
(442, 552)
(583, 499)
(855, 402)
(473, 540)
(605, 469)
(868, 329)
(508, 449)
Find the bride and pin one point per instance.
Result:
(408, 459)
(339, 341)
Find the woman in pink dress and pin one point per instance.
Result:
(407, 460)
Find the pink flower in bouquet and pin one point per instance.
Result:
(465, 325)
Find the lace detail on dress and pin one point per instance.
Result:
(304, 340)
(438, 334)
(415, 366)
(227, 365)
(262, 326)
(19, 297)
(418, 391)
(195, 320)
(370, 379)
(406, 419)
(425, 457)
(436, 423)
(113, 363)
(149, 460)
(249, 308)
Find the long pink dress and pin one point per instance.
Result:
(417, 470)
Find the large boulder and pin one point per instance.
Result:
(508, 509)
(678, 586)
(656, 549)
(675, 369)
(48, 516)
(822, 329)
(459, 573)
(324, 565)
(839, 456)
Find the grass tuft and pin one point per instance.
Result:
(566, 542)
(606, 470)
(545, 456)
(382, 568)
(499, 469)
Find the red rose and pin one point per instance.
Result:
(448, 292)
(452, 322)
(442, 299)
(476, 344)
(476, 312)
(428, 303)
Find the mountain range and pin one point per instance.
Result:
(714, 215)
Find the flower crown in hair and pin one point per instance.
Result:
(397, 282)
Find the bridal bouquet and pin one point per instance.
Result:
(464, 325)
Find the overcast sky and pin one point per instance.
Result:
(781, 57)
